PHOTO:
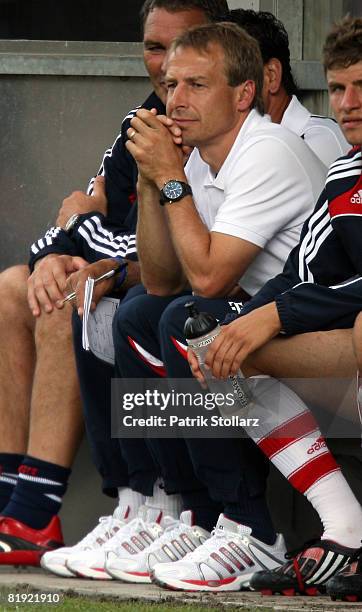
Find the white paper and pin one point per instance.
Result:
(99, 329)
(88, 294)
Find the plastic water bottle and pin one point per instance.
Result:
(200, 330)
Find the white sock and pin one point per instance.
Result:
(332, 498)
(169, 504)
(127, 498)
(290, 437)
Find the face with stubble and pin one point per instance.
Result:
(160, 28)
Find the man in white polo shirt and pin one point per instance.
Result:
(252, 184)
(322, 134)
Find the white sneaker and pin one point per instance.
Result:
(55, 560)
(225, 562)
(179, 538)
(140, 532)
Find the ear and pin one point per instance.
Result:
(246, 95)
(273, 74)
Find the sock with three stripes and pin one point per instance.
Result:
(9, 463)
(37, 496)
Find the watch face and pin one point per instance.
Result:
(173, 190)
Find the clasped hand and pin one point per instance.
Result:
(155, 143)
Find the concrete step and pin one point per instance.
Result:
(37, 580)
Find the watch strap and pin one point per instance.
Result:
(186, 190)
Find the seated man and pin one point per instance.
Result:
(105, 452)
(319, 289)
(238, 222)
(322, 134)
(326, 140)
(39, 350)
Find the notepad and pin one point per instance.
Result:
(97, 327)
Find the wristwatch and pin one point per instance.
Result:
(71, 222)
(173, 191)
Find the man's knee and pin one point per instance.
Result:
(174, 317)
(13, 291)
(141, 313)
(126, 317)
(357, 340)
(54, 327)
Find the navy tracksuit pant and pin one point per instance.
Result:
(118, 468)
(228, 468)
(125, 462)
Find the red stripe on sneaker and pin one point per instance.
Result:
(222, 562)
(303, 478)
(231, 558)
(186, 540)
(152, 362)
(129, 548)
(137, 542)
(241, 554)
(212, 583)
(287, 433)
(181, 348)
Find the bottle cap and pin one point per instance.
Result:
(198, 323)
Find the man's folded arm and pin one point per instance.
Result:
(310, 307)
(93, 238)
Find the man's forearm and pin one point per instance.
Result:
(161, 271)
(193, 245)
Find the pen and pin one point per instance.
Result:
(108, 274)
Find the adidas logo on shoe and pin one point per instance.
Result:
(357, 198)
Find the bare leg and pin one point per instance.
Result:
(17, 359)
(43, 416)
(314, 355)
(39, 385)
(318, 355)
(56, 424)
(357, 341)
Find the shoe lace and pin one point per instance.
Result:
(294, 556)
(104, 528)
(133, 527)
(213, 542)
(170, 532)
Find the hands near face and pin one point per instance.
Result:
(176, 134)
(155, 143)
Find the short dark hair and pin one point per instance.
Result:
(343, 46)
(215, 10)
(243, 59)
(272, 38)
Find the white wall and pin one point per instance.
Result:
(244, 4)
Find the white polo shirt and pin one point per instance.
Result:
(322, 134)
(263, 192)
